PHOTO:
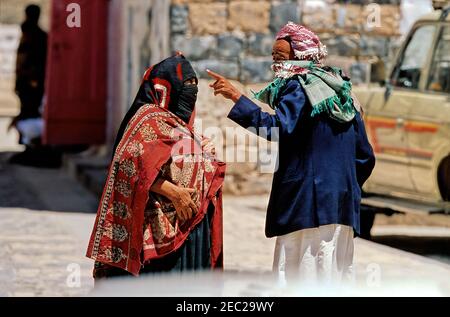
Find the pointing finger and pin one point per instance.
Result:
(214, 75)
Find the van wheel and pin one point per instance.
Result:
(444, 179)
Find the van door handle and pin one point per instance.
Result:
(400, 122)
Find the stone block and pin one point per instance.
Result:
(349, 17)
(249, 16)
(208, 18)
(318, 15)
(282, 13)
(343, 45)
(256, 70)
(179, 22)
(260, 44)
(228, 69)
(229, 45)
(374, 46)
(195, 48)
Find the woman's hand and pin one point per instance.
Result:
(181, 198)
(183, 203)
(224, 87)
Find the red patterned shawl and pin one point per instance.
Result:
(153, 137)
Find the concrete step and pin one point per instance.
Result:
(90, 171)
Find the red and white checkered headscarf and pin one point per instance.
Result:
(305, 43)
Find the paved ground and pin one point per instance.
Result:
(42, 252)
(246, 249)
(38, 248)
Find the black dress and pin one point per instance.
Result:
(194, 254)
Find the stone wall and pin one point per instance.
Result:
(249, 159)
(235, 37)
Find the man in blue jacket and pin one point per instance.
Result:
(324, 157)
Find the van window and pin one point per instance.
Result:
(439, 80)
(407, 74)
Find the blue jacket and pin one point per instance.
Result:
(322, 164)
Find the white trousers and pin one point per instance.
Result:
(323, 254)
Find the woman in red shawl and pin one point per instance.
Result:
(161, 208)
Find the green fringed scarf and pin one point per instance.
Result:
(327, 91)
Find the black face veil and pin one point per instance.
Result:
(163, 84)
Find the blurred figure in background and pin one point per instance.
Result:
(30, 77)
(30, 81)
